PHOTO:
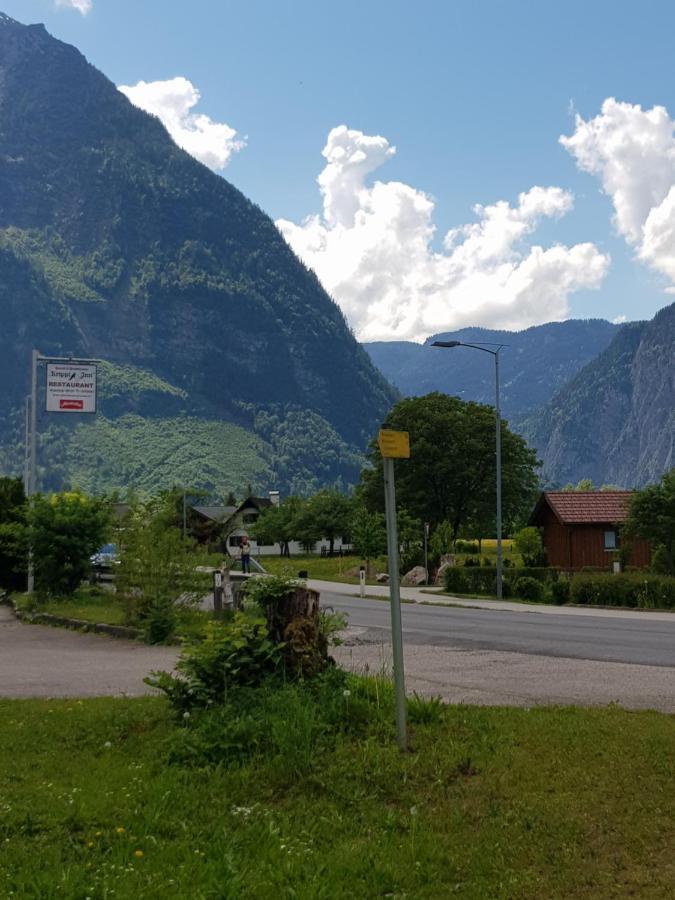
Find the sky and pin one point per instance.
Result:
(438, 163)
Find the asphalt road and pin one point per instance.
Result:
(636, 641)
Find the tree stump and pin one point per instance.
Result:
(293, 621)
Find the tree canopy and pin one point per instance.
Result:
(450, 475)
(651, 515)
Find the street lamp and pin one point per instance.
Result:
(485, 347)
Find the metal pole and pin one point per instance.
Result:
(26, 445)
(395, 601)
(426, 553)
(32, 467)
(498, 425)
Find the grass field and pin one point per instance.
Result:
(490, 803)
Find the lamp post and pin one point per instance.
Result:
(485, 347)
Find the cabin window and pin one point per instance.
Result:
(610, 540)
(249, 518)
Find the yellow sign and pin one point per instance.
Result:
(394, 444)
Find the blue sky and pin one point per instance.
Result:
(474, 96)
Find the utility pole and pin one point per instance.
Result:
(485, 347)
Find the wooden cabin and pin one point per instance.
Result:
(582, 528)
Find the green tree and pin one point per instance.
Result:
(65, 530)
(651, 516)
(327, 515)
(157, 569)
(367, 532)
(528, 543)
(280, 524)
(584, 484)
(13, 547)
(409, 529)
(450, 475)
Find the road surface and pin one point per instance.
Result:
(517, 658)
(485, 656)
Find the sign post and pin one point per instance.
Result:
(426, 553)
(70, 388)
(362, 582)
(395, 445)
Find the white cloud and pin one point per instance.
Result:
(371, 247)
(619, 320)
(632, 151)
(212, 143)
(82, 6)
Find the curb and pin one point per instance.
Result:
(116, 631)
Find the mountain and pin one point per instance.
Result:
(615, 421)
(537, 362)
(226, 361)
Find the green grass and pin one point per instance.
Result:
(325, 568)
(490, 803)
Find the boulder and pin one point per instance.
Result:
(382, 577)
(441, 571)
(414, 577)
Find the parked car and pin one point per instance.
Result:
(105, 556)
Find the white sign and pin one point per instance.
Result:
(71, 388)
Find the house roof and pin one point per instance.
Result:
(215, 513)
(584, 507)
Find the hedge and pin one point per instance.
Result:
(483, 579)
(637, 590)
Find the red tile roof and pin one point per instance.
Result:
(586, 507)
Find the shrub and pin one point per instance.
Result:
(528, 543)
(466, 546)
(528, 588)
(65, 530)
(560, 591)
(288, 723)
(628, 589)
(472, 561)
(482, 580)
(236, 654)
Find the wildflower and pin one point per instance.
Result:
(346, 693)
(90, 843)
(119, 829)
(107, 745)
(186, 715)
(138, 853)
(98, 834)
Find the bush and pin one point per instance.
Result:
(628, 589)
(466, 547)
(233, 655)
(528, 543)
(482, 580)
(528, 588)
(289, 723)
(472, 561)
(65, 530)
(560, 591)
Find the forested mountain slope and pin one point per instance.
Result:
(116, 244)
(615, 421)
(535, 364)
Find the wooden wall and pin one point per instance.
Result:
(577, 546)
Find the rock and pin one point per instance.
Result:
(441, 571)
(414, 577)
(382, 577)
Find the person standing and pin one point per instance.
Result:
(245, 555)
